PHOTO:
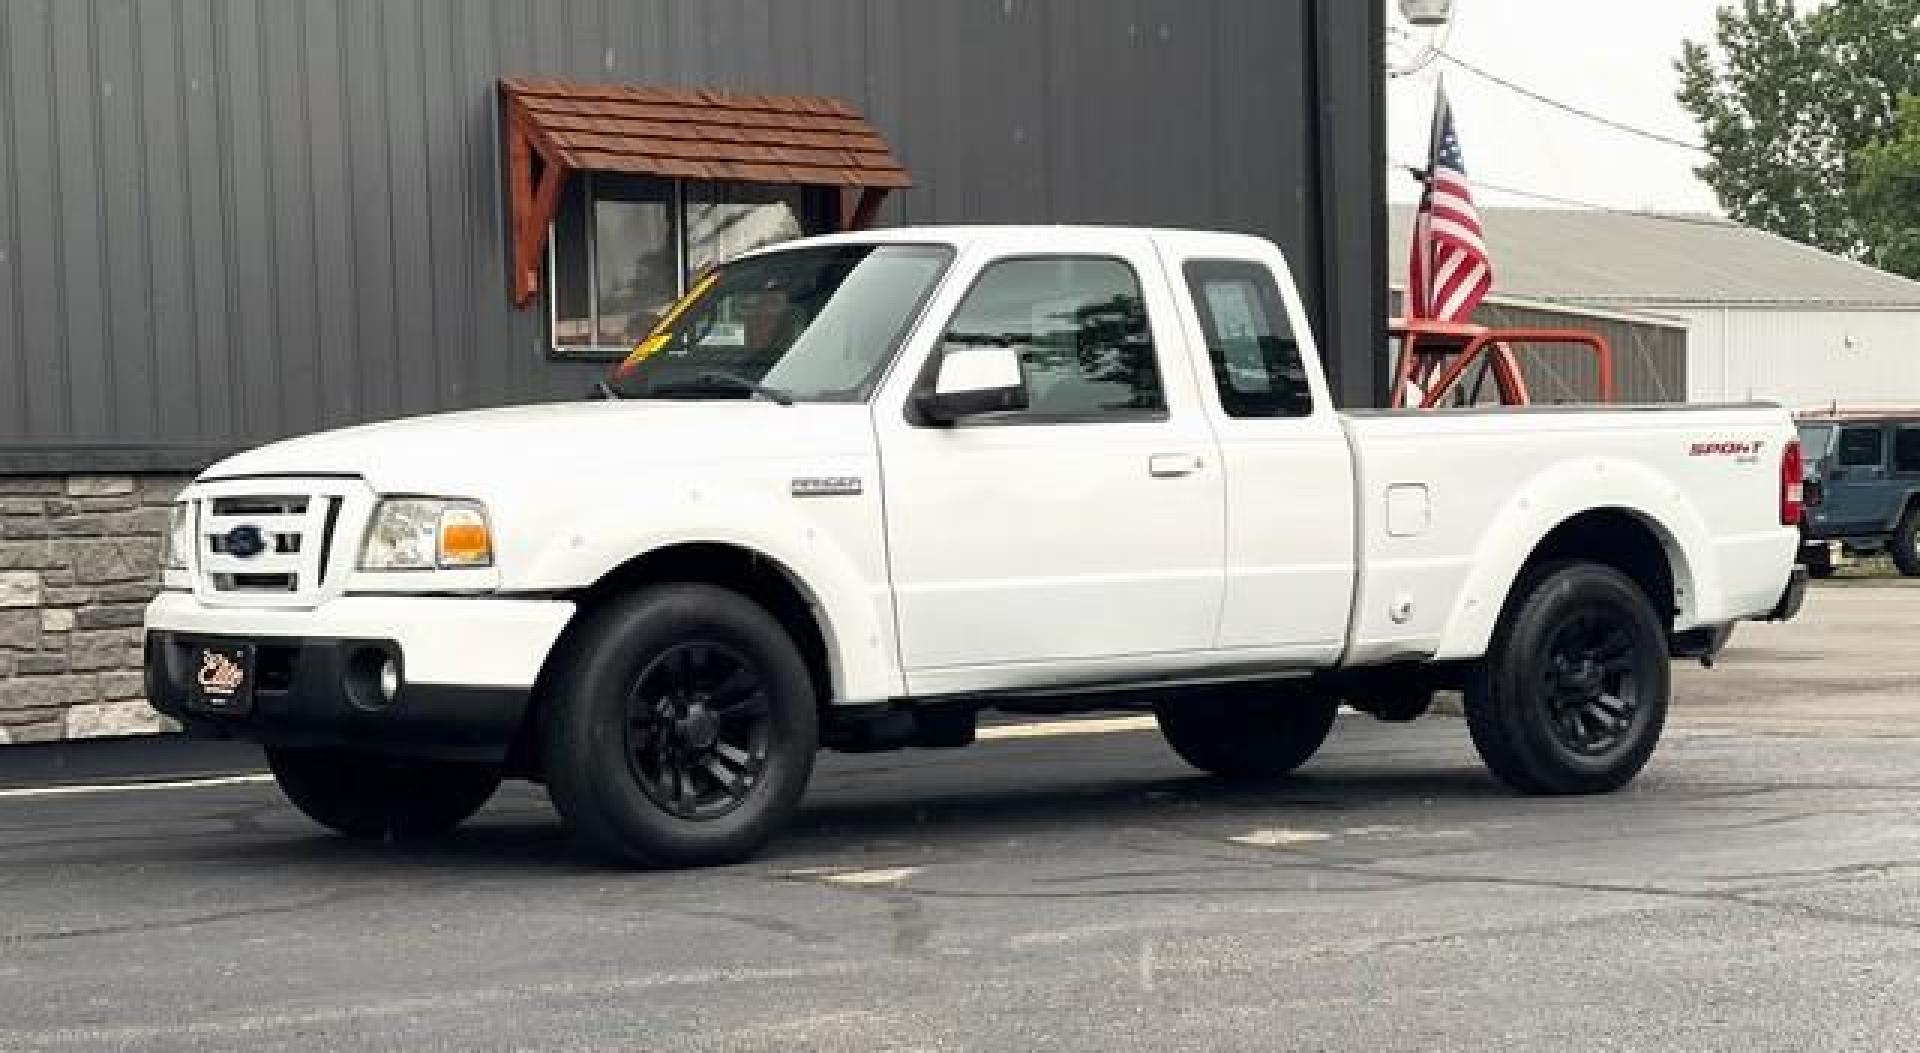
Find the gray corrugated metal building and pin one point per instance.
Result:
(229, 221)
(225, 221)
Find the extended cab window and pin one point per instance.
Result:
(1861, 447)
(1256, 360)
(1080, 324)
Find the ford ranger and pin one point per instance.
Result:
(855, 490)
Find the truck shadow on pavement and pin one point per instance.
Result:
(519, 833)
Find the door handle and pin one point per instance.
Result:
(1172, 465)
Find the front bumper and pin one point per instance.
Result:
(467, 666)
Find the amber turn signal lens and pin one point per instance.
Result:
(464, 538)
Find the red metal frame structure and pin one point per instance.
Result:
(1437, 355)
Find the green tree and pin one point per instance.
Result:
(1887, 194)
(1789, 103)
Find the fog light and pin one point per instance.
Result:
(389, 679)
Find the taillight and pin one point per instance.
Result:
(1793, 484)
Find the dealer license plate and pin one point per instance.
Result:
(221, 680)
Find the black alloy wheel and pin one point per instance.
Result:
(1573, 692)
(679, 728)
(1593, 695)
(698, 726)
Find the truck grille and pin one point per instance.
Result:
(273, 547)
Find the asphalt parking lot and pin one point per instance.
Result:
(1065, 886)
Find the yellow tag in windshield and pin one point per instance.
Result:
(662, 331)
(644, 350)
(665, 324)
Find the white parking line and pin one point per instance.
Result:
(129, 787)
(1043, 729)
(1090, 726)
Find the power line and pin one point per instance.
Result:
(1419, 172)
(1564, 106)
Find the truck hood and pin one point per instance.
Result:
(473, 453)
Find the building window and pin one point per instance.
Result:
(624, 248)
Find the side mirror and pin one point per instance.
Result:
(974, 379)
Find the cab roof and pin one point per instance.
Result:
(1053, 239)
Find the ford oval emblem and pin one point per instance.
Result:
(245, 542)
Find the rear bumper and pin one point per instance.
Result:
(1792, 598)
(467, 668)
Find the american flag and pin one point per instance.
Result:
(1450, 270)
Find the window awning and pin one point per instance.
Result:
(674, 133)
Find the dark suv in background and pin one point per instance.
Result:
(1863, 488)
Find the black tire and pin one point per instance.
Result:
(381, 798)
(654, 752)
(1904, 545)
(1247, 732)
(1820, 569)
(1573, 692)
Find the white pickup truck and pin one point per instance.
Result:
(854, 490)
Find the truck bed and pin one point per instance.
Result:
(1452, 501)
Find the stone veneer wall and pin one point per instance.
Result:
(79, 559)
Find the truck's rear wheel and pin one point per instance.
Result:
(1573, 692)
(375, 798)
(681, 730)
(1904, 545)
(1247, 731)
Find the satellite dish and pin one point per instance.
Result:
(1427, 14)
(1415, 41)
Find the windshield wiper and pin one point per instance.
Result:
(716, 382)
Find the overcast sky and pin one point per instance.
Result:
(1613, 57)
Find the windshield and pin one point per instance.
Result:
(1814, 441)
(806, 325)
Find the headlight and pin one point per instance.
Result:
(422, 533)
(179, 536)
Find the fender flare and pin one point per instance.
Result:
(1551, 499)
(853, 614)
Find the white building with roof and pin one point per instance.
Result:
(1766, 317)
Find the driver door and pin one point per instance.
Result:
(1083, 532)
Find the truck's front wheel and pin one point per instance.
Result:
(681, 730)
(1573, 692)
(375, 798)
(1247, 731)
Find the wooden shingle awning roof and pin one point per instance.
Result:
(682, 134)
(677, 133)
